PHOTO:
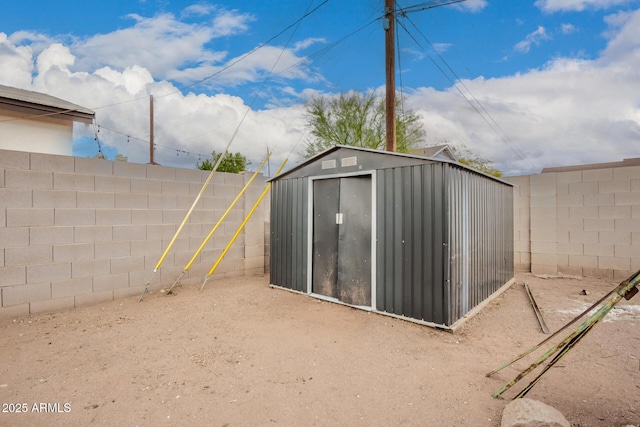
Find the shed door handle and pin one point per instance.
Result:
(339, 218)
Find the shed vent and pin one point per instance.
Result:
(349, 161)
(329, 164)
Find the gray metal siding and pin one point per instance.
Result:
(289, 211)
(480, 239)
(445, 241)
(410, 242)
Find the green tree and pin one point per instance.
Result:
(356, 119)
(231, 163)
(471, 159)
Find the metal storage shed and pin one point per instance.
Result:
(425, 239)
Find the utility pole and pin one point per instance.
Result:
(151, 130)
(390, 62)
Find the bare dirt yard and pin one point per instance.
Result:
(241, 353)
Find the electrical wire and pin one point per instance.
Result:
(311, 58)
(402, 11)
(246, 55)
(456, 82)
(226, 67)
(296, 24)
(320, 53)
(270, 74)
(243, 57)
(427, 5)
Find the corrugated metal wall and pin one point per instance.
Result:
(445, 241)
(410, 251)
(480, 238)
(289, 216)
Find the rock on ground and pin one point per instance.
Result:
(532, 413)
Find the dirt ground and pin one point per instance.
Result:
(242, 353)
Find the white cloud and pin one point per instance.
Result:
(186, 53)
(16, 65)
(417, 54)
(20, 37)
(568, 29)
(551, 6)
(623, 48)
(134, 79)
(189, 123)
(441, 47)
(532, 38)
(256, 66)
(198, 10)
(159, 44)
(571, 111)
(230, 22)
(472, 5)
(55, 55)
(304, 44)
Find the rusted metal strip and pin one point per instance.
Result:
(536, 310)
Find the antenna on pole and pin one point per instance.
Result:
(151, 149)
(390, 63)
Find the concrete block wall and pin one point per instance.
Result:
(579, 222)
(521, 224)
(76, 231)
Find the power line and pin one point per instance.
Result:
(246, 55)
(243, 57)
(231, 64)
(320, 53)
(484, 114)
(250, 105)
(426, 6)
(178, 151)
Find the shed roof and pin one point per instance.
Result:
(36, 103)
(394, 155)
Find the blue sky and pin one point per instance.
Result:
(526, 84)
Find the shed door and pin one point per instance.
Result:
(342, 239)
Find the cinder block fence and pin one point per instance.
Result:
(579, 220)
(76, 231)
